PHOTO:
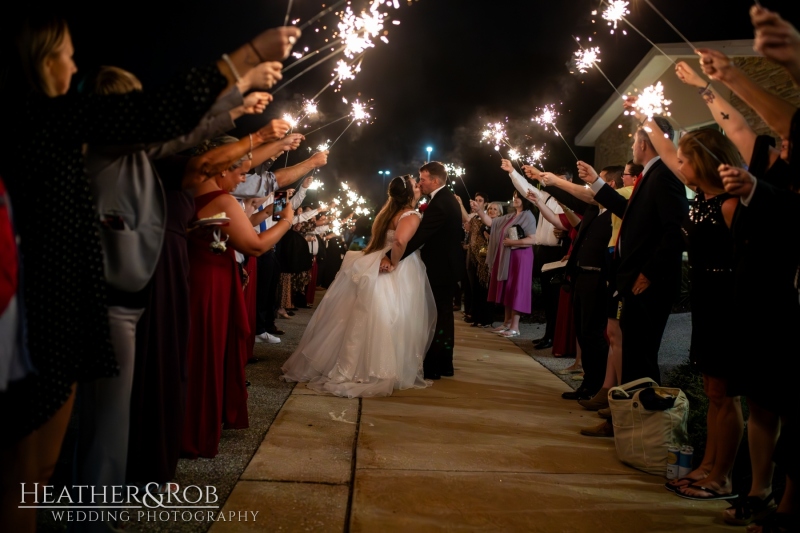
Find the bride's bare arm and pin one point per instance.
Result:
(406, 229)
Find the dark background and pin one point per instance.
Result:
(450, 67)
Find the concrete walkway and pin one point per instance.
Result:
(493, 449)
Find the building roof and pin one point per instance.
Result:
(647, 72)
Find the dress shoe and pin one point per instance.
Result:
(604, 413)
(604, 429)
(432, 375)
(543, 344)
(578, 394)
(266, 337)
(447, 373)
(597, 402)
(468, 319)
(290, 313)
(275, 331)
(252, 360)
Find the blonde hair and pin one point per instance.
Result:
(698, 147)
(498, 206)
(114, 80)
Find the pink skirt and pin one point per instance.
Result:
(514, 292)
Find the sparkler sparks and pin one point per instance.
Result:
(547, 118)
(343, 71)
(514, 155)
(310, 107)
(358, 31)
(615, 11)
(585, 58)
(359, 112)
(651, 101)
(495, 133)
(535, 156)
(290, 119)
(316, 185)
(453, 170)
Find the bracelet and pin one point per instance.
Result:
(250, 153)
(260, 59)
(227, 59)
(285, 220)
(704, 89)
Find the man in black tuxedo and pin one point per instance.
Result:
(441, 233)
(648, 254)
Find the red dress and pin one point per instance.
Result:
(219, 326)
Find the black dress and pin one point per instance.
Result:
(64, 288)
(709, 243)
(766, 255)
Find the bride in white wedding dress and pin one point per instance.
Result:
(370, 332)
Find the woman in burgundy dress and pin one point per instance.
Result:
(216, 391)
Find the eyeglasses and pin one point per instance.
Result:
(628, 174)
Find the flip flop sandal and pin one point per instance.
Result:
(748, 509)
(713, 495)
(669, 485)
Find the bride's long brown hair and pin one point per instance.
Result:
(401, 194)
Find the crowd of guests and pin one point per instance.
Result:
(139, 309)
(619, 236)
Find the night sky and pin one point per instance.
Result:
(450, 67)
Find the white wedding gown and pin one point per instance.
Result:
(370, 332)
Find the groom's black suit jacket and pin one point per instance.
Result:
(441, 233)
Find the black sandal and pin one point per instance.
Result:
(749, 509)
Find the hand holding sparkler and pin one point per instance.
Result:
(776, 39)
(715, 64)
(291, 142)
(688, 75)
(506, 165)
(531, 172)
(275, 130)
(256, 103)
(586, 172)
(262, 76)
(320, 159)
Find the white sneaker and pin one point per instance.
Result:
(266, 337)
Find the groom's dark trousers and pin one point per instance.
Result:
(441, 234)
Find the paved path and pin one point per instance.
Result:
(493, 449)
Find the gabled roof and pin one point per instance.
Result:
(647, 72)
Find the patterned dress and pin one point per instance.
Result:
(64, 284)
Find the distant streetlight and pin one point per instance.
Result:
(429, 149)
(384, 174)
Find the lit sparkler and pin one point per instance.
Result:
(585, 58)
(547, 120)
(453, 170)
(651, 101)
(359, 112)
(536, 155)
(616, 11)
(290, 119)
(514, 154)
(310, 107)
(495, 133)
(316, 185)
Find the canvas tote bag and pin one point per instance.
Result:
(647, 419)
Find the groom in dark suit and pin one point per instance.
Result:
(441, 233)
